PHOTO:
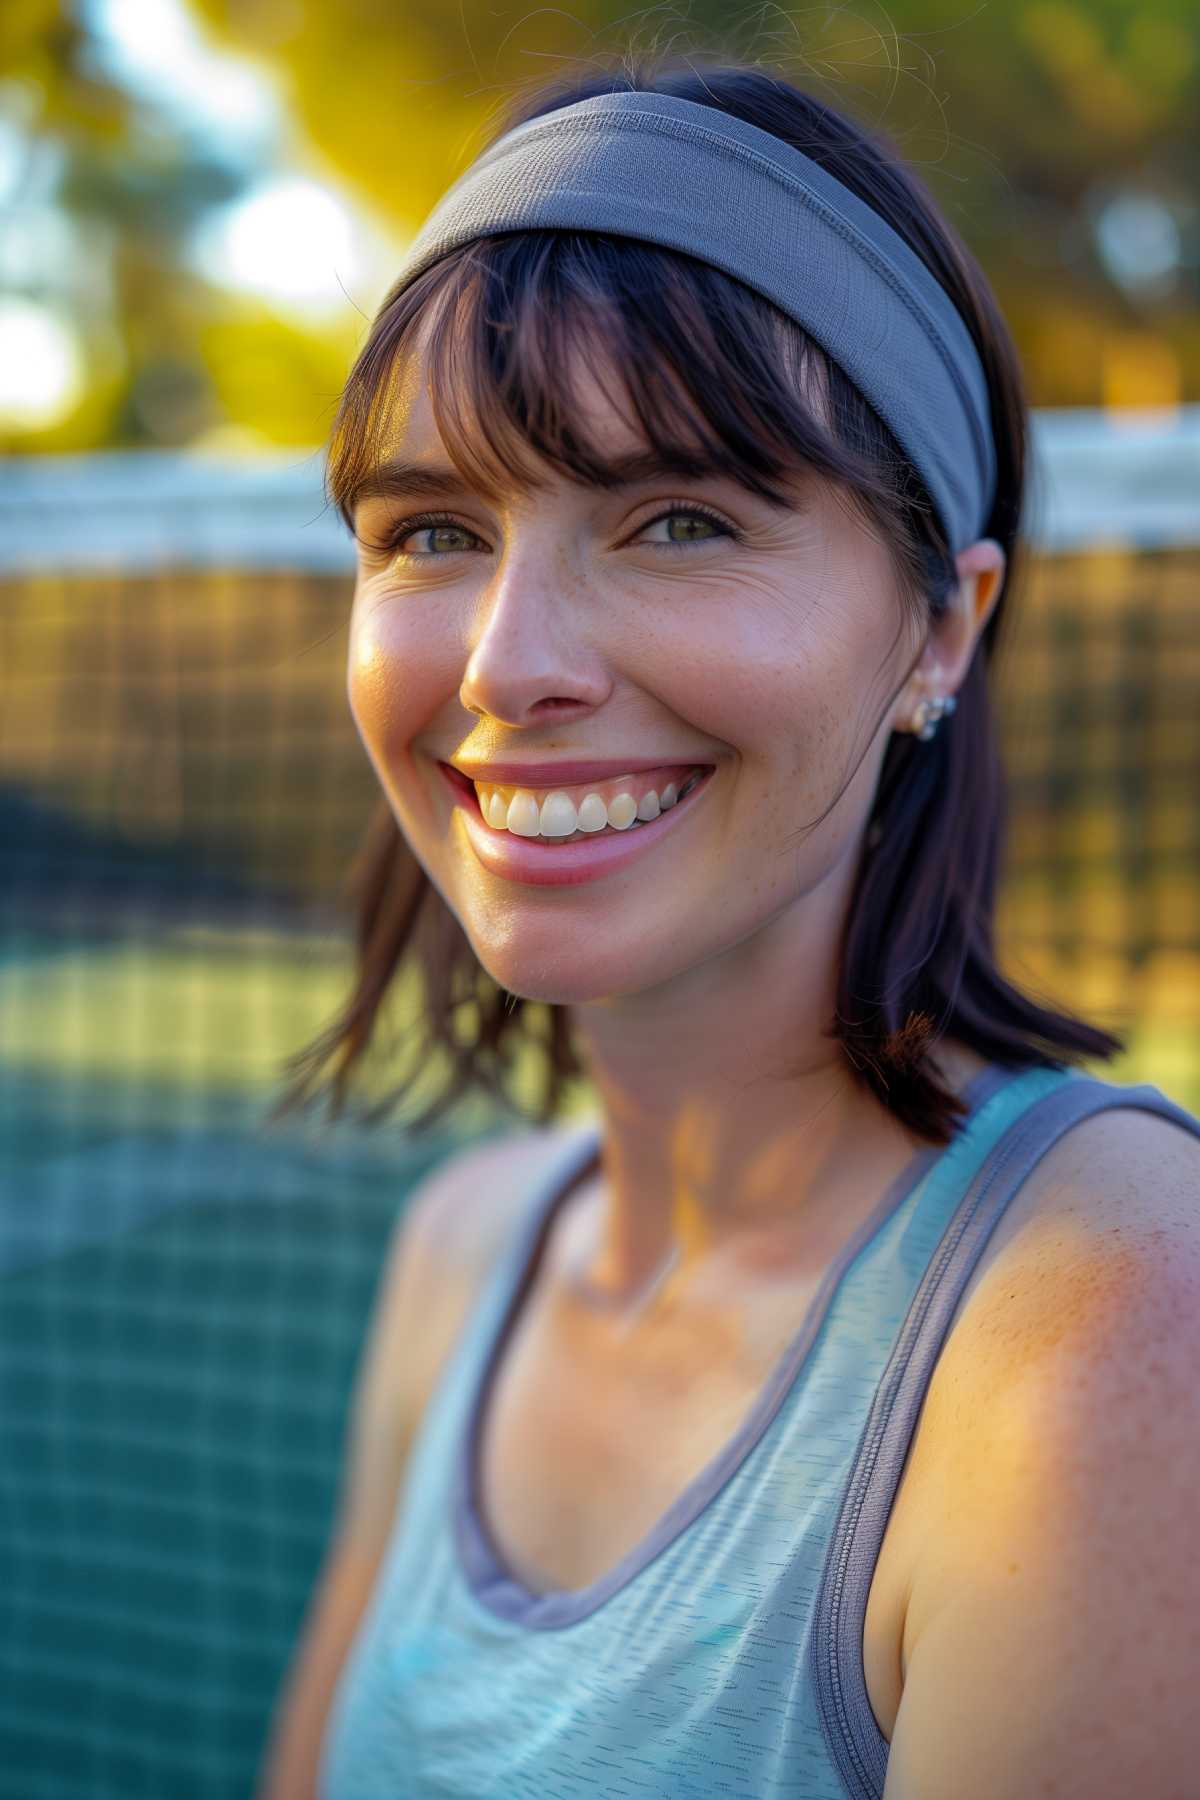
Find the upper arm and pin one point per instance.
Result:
(1058, 1651)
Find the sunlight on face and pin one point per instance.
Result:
(681, 620)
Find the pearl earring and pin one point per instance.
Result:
(929, 714)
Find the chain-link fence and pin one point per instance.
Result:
(183, 1291)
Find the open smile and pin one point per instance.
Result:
(541, 862)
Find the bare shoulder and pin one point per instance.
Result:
(1110, 1211)
(1104, 1233)
(467, 1209)
(456, 1225)
(1054, 1608)
(450, 1233)
(1129, 1162)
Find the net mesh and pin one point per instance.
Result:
(183, 1291)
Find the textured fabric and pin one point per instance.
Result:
(692, 178)
(723, 1656)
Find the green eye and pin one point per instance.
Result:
(445, 523)
(434, 531)
(432, 523)
(691, 514)
(692, 520)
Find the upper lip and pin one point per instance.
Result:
(566, 774)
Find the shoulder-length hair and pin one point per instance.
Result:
(700, 356)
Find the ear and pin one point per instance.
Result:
(943, 663)
(980, 573)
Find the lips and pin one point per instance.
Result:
(461, 781)
(567, 774)
(540, 862)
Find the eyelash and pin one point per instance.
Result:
(425, 520)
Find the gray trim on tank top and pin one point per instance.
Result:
(494, 1585)
(856, 1744)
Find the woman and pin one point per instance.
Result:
(774, 1433)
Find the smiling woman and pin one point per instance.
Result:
(723, 392)
(691, 443)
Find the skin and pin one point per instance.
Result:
(556, 623)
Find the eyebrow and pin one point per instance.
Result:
(389, 480)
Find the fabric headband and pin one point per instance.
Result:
(691, 178)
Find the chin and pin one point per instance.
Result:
(570, 977)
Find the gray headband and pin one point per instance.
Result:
(692, 178)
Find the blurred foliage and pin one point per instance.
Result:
(1027, 120)
(1055, 95)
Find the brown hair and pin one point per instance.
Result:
(702, 362)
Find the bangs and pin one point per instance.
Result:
(702, 368)
(713, 378)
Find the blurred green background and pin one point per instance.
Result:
(201, 205)
(203, 201)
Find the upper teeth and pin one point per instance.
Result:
(558, 813)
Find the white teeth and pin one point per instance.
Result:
(523, 817)
(593, 814)
(558, 817)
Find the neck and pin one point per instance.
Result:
(736, 1136)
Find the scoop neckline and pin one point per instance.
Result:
(493, 1583)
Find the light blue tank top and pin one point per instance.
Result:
(723, 1655)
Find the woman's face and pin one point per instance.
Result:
(575, 624)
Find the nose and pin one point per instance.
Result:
(531, 657)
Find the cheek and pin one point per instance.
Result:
(395, 697)
(718, 666)
(783, 702)
(797, 719)
(398, 675)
